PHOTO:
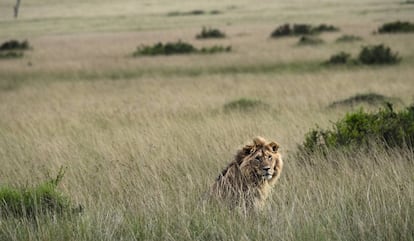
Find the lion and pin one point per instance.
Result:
(249, 178)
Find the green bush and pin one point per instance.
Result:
(396, 27)
(378, 54)
(339, 58)
(10, 55)
(210, 33)
(301, 29)
(348, 38)
(359, 129)
(177, 48)
(367, 98)
(165, 49)
(244, 104)
(14, 45)
(310, 40)
(42, 199)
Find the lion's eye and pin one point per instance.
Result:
(258, 159)
(270, 157)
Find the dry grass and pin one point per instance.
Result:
(144, 138)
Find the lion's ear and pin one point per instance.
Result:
(274, 146)
(259, 141)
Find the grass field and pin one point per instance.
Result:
(144, 138)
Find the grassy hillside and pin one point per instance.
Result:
(143, 138)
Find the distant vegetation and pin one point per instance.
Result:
(360, 129)
(339, 58)
(245, 104)
(301, 29)
(178, 47)
(193, 12)
(13, 49)
(42, 199)
(369, 55)
(310, 40)
(378, 54)
(367, 98)
(348, 38)
(396, 27)
(14, 45)
(210, 33)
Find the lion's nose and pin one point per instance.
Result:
(266, 169)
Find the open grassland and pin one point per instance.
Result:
(144, 138)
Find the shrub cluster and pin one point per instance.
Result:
(166, 49)
(370, 55)
(301, 29)
(14, 45)
(177, 48)
(366, 98)
(42, 199)
(396, 27)
(13, 49)
(210, 33)
(359, 129)
(348, 38)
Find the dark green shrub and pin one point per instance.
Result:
(301, 29)
(367, 98)
(283, 30)
(165, 49)
(177, 48)
(339, 58)
(348, 38)
(324, 28)
(210, 33)
(378, 54)
(14, 45)
(42, 199)
(396, 27)
(10, 55)
(244, 104)
(215, 49)
(310, 40)
(193, 12)
(359, 129)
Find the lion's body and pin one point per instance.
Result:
(249, 178)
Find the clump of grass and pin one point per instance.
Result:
(359, 129)
(310, 40)
(367, 98)
(244, 104)
(396, 27)
(210, 33)
(339, 58)
(378, 54)
(14, 45)
(165, 49)
(42, 199)
(11, 55)
(301, 29)
(177, 48)
(348, 38)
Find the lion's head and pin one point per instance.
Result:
(251, 175)
(260, 161)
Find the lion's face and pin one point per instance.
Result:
(263, 161)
